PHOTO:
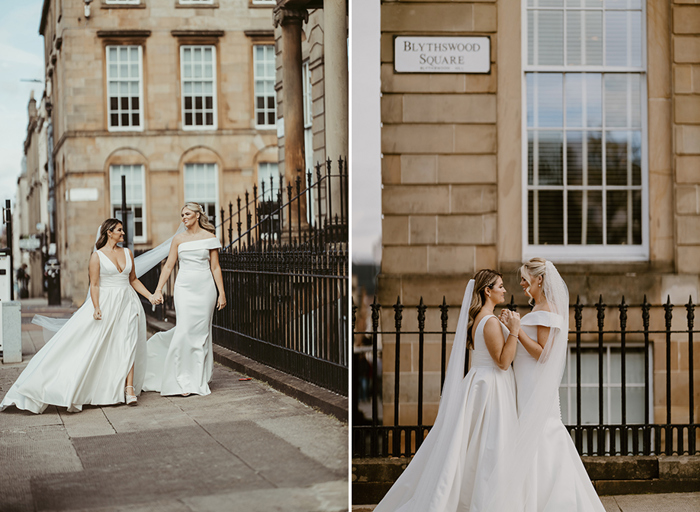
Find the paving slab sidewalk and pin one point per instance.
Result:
(245, 447)
(677, 502)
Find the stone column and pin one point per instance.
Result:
(336, 86)
(293, 99)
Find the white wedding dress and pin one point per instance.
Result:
(87, 360)
(180, 361)
(452, 466)
(558, 480)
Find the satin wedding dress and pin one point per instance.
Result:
(180, 361)
(558, 480)
(452, 466)
(87, 360)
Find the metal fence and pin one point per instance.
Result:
(644, 333)
(285, 270)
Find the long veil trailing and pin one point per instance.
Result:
(142, 264)
(436, 464)
(506, 485)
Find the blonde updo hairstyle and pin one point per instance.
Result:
(531, 270)
(203, 217)
(483, 279)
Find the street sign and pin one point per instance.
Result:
(438, 54)
(29, 244)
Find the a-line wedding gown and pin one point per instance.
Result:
(87, 360)
(450, 470)
(180, 361)
(557, 480)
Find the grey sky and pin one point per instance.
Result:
(365, 162)
(21, 56)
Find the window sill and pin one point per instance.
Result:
(105, 5)
(213, 5)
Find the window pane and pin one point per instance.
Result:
(573, 38)
(594, 100)
(550, 153)
(595, 158)
(550, 207)
(617, 218)
(616, 34)
(574, 217)
(531, 157)
(589, 406)
(574, 99)
(574, 158)
(616, 148)
(550, 108)
(616, 100)
(594, 37)
(594, 225)
(550, 37)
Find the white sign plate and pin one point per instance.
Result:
(29, 244)
(83, 194)
(442, 54)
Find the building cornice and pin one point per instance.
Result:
(197, 33)
(124, 33)
(44, 14)
(259, 33)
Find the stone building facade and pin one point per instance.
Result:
(583, 153)
(31, 209)
(312, 85)
(169, 93)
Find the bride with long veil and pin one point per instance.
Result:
(180, 361)
(97, 356)
(543, 472)
(477, 414)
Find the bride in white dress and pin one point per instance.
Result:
(545, 472)
(180, 361)
(477, 414)
(98, 356)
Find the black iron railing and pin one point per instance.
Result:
(643, 333)
(286, 278)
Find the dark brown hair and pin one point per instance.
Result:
(108, 225)
(483, 279)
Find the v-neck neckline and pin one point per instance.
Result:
(116, 265)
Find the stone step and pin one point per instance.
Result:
(372, 478)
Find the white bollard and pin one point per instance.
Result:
(11, 328)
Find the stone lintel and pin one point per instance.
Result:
(259, 34)
(133, 34)
(197, 33)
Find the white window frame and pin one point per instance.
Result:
(127, 2)
(142, 123)
(585, 253)
(568, 383)
(217, 205)
(264, 2)
(214, 88)
(196, 2)
(255, 97)
(116, 202)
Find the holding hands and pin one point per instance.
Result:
(156, 298)
(511, 320)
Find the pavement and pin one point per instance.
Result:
(245, 447)
(677, 502)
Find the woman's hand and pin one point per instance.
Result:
(512, 322)
(221, 303)
(157, 298)
(97, 314)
